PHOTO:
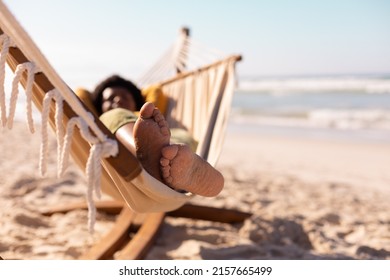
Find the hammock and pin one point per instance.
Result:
(199, 100)
(200, 95)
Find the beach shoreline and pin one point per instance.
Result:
(309, 199)
(309, 155)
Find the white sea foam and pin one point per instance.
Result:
(325, 84)
(353, 119)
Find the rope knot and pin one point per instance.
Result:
(109, 148)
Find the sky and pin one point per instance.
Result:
(86, 40)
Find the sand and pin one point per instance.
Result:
(309, 198)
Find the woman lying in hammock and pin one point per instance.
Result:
(148, 136)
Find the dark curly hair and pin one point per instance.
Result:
(116, 81)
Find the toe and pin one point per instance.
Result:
(170, 152)
(164, 162)
(165, 131)
(158, 117)
(166, 171)
(147, 110)
(168, 179)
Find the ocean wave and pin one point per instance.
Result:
(351, 119)
(322, 118)
(333, 84)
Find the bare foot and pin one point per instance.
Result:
(182, 169)
(151, 134)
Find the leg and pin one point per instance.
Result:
(175, 165)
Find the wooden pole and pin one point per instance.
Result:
(184, 33)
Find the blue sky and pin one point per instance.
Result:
(87, 40)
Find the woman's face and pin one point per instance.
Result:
(117, 97)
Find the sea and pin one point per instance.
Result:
(348, 107)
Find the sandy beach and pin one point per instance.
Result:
(309, 198)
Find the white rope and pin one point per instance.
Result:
(11, 27)
(217, 54)
(184, 55)
(72, 123)
(53, 94)
(149, 76)
(93, 167)
(93, 172)
(4, 42)
(98, 150)
(31, 70)
(101, 145)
